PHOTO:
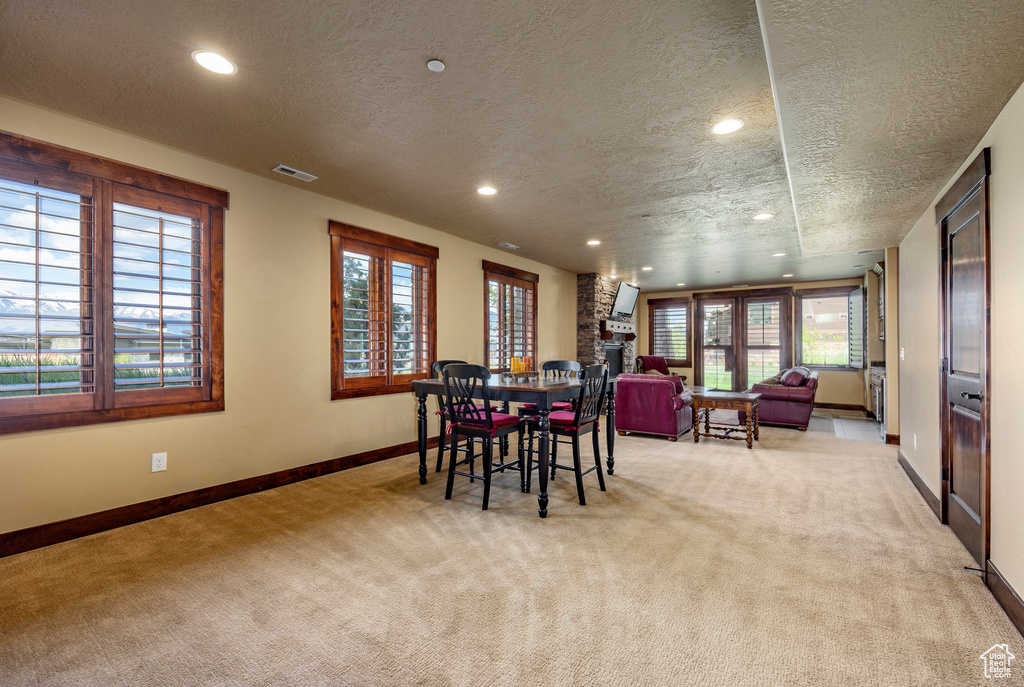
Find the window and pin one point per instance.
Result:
(383, 311)
(668, 324)
(510, 313)
(764, 338)
(110, 290)
(831, 330)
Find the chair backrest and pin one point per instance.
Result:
(648, 363)
(461, 382)
(593, 381)
(436, 368)
(561, 369)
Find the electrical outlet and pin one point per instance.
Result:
(915, 442)
(159, 462)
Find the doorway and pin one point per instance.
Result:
(743, 337)
(962, 215)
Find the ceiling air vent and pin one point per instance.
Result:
(508, 246)
(294, 173)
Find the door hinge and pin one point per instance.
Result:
(945, 474)
(942, 254)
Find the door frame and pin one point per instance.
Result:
(739, 329)
(973, 181)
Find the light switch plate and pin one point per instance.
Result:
(901, 353)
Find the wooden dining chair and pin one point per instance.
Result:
(463, 386)
(554, 369)
(571, 425)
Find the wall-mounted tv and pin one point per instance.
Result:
(625, 300)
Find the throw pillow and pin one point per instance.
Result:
(773, 381)
(794, 377)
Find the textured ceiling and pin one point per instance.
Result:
(584, 115)
(881, 102)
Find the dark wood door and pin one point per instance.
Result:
(742, 340)
(965, 365)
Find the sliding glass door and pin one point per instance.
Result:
(744, 338)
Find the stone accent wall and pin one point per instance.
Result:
(594, 297)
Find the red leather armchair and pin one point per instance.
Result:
(652, 404)
(789, 403)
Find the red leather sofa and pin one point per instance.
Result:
(789, 403)
(652, 404)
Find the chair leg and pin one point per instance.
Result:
(529, 461)
(441, 445)
(488, 447)
(453, 457)
(577, 469)
(597, 459)
(472, 459)
(554, 455)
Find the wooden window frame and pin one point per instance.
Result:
(740, 298)
(798, 321)
(386, 247)
(102, 180)
(655, 304)
(511, 276)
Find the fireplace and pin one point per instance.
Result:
(613, 353)
(596, 337)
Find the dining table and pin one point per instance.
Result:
(542, 391)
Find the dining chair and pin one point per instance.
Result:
(572, 424)
(554, 369)
(463, 385)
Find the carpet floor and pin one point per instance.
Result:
(809, 560)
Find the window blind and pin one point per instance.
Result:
(157, 303)
(46, 300)
(511, 316)
(670, 333)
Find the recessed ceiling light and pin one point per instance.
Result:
(486, 191)
(593, 242)
(613, 276)
(787, 275)
(645, 216)
(778, 255)
(214, 62)
(647, 269)
(763, 216)
(435, 65)
(508, 246)
(856, 267)
(681, 284)
(862, 252)
(727, 126)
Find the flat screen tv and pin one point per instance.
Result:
(625, 300)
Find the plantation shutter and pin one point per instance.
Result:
(856, 321)
(764, 338)
(158, 325)
(670, 330)
(410, 320)
(669, 341)
(511, 316)
(47, 336)
(382, 310)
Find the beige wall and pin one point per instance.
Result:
(919, 332)
(277, 335)
(845, 387)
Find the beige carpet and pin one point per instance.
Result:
(807, 561)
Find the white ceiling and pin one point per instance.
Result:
(584, 115)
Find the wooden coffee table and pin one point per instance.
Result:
(707, 401)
